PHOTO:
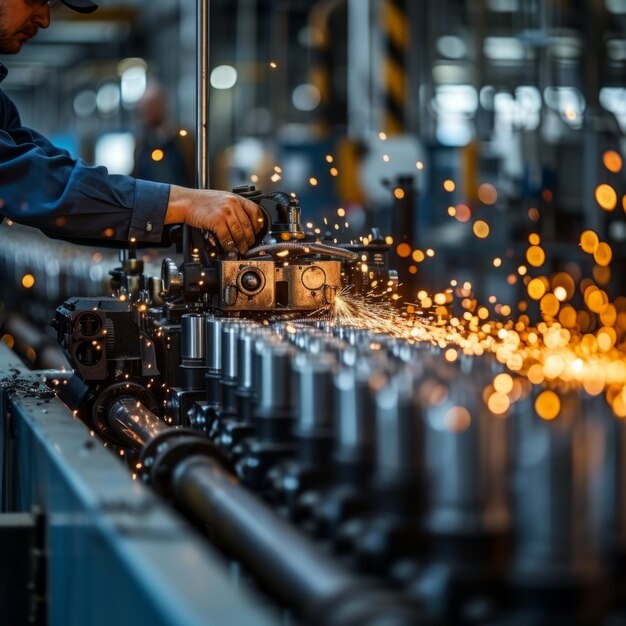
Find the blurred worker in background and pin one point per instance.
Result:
(164, 153)
(42, 186)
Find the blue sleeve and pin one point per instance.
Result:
(42, 186)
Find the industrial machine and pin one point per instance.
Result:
(348, 476)
(143, 342)
(226, 447)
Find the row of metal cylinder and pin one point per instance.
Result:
(388, 453)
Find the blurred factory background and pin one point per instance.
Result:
(483, 142)
(418, 118)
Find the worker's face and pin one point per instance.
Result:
(19, 21)
(152, 108)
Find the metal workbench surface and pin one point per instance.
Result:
(116, 553)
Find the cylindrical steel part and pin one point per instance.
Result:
(230, 333)
(214, 343)
(313, 374)
(273, 377)
(557, 537)
(354, 414)
(245, 352)
(133, 422)
(608, 448)
(192, 341)
(399, 430)
(466, 452)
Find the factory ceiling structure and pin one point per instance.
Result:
(313, 312)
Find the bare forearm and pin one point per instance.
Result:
(178, 205)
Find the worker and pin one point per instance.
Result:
(42, 186)
(163, 153)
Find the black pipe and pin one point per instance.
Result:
(285, 561)
(270, 548)
(243, 525)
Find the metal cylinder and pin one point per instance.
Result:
(275, 402)
(399, 428)
(398, 473)
(313, 380)
(192, 338)
(466, 450)
(229, 364)
(213, 338)
(245, 392)
(608, 449)
(192, 347)
(345, 332)
(557, 539)
(342, 352)
(245, 353)
(133, 422)
(274, 379)
(354, 416)
(230, 368)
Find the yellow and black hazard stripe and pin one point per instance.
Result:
(395, 44)
(321, 62)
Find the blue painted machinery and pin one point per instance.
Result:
(84, 543)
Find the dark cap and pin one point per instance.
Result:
(82, 6)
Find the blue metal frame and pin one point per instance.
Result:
(116, 553)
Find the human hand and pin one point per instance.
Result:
(232, 219)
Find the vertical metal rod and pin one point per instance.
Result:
(203, 86)
(190, 240)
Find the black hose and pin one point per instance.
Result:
(299, 248)
(282, 200)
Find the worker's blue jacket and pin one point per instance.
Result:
(43, 186)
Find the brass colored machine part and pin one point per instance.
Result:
(271, 285)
